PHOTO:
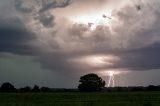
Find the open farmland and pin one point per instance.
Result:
(81, 99)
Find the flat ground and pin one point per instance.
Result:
(81, 99)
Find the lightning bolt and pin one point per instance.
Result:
(111, 81)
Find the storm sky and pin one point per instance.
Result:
(54, 42)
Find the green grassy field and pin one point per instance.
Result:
(81, 99)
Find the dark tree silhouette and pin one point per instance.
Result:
(7, 87)
(25, 89)
(153, 88)
(36, 89)
(90, 83)
(45, 89)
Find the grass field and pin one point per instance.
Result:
(81, 99)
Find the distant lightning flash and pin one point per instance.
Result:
(111, 79)
(113, 85)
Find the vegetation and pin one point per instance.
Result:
(91, 82)
(81, 99)
(7, 87)
(44, 96)
(36, 88)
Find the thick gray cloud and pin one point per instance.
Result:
(43, 30)
(41, 5)
(46, 19)
(78, 40)
(21, 6)
(47, 4)
(15, 37)
(146, 58)
(39, 9)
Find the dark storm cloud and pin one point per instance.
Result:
(39, 9)
(136, 43)
(146, 58)
(143, 48)
(46, 19)
(40, 6)
(140, 40)
(141, 59)
(56, 62)
(134, 38)
(20, 6)
(47, 5)
(14, 36)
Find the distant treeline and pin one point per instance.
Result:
(8, 87)
(132, 89)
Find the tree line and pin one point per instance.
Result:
(88, 83)
(8, 87)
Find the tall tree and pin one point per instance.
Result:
(7, 87)
(91, 82)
